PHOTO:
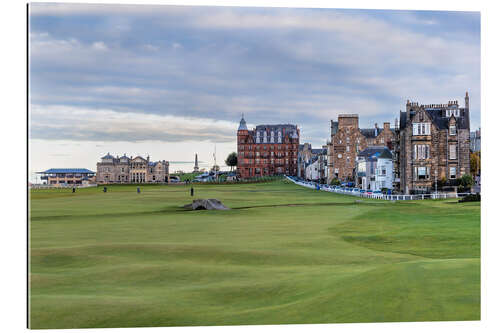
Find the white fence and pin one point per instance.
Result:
(392, 197)
(45, 186)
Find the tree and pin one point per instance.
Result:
(335, 181)
(475, 163)
(466, 181)
(232, 160)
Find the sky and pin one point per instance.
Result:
(172, 81)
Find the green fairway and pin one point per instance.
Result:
(282, 254)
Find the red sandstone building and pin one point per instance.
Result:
(267, 150)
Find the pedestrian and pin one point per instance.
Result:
(138, 190)
(74, 190)
(192, 191)
(105, 189)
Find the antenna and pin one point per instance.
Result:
(215, 161)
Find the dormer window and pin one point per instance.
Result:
(453, 130)
(454, 112)
(421, 129)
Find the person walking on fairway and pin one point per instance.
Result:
(192, 191)
(138, 190)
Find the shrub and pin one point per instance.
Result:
(471, 198)
(335, 181)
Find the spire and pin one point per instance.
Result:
(466, 99)
(243, 124)
(196, 168)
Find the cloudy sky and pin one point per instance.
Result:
(172, 81)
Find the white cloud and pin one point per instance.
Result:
(176, 46)
(76, 123)
(150, 47)
(101, 46)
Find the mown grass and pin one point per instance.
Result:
(282, 254)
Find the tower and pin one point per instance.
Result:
(196, 168)
(242, 138)
(467, 100)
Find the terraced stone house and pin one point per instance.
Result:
(347, 140)
(433, 143)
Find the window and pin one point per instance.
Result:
(453, 130)
(421, 173)
(347, 140)
(453, 152)
(421, 152)
(454, 112)
(339, 155)
(421, 129)
(347, 149)
(453, 172)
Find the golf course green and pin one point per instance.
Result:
(282, 254)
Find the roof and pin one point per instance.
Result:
(275, 127)
(368, 132)
(319, 151)
(107, 156)
(68, 170)
(402, 120)
(287, 130)
(438, 117)
(313, 160)
(243, 125)
(334, 127)
(376, 152)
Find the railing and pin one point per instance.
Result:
(55, 186)
(381, 196)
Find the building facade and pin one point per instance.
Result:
(433, 144)
(475, 140)
(67, 177)
(306, 156)
(374, 169)
(267, 150)
(347, 140)
(126, 169)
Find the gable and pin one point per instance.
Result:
(138, 159)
